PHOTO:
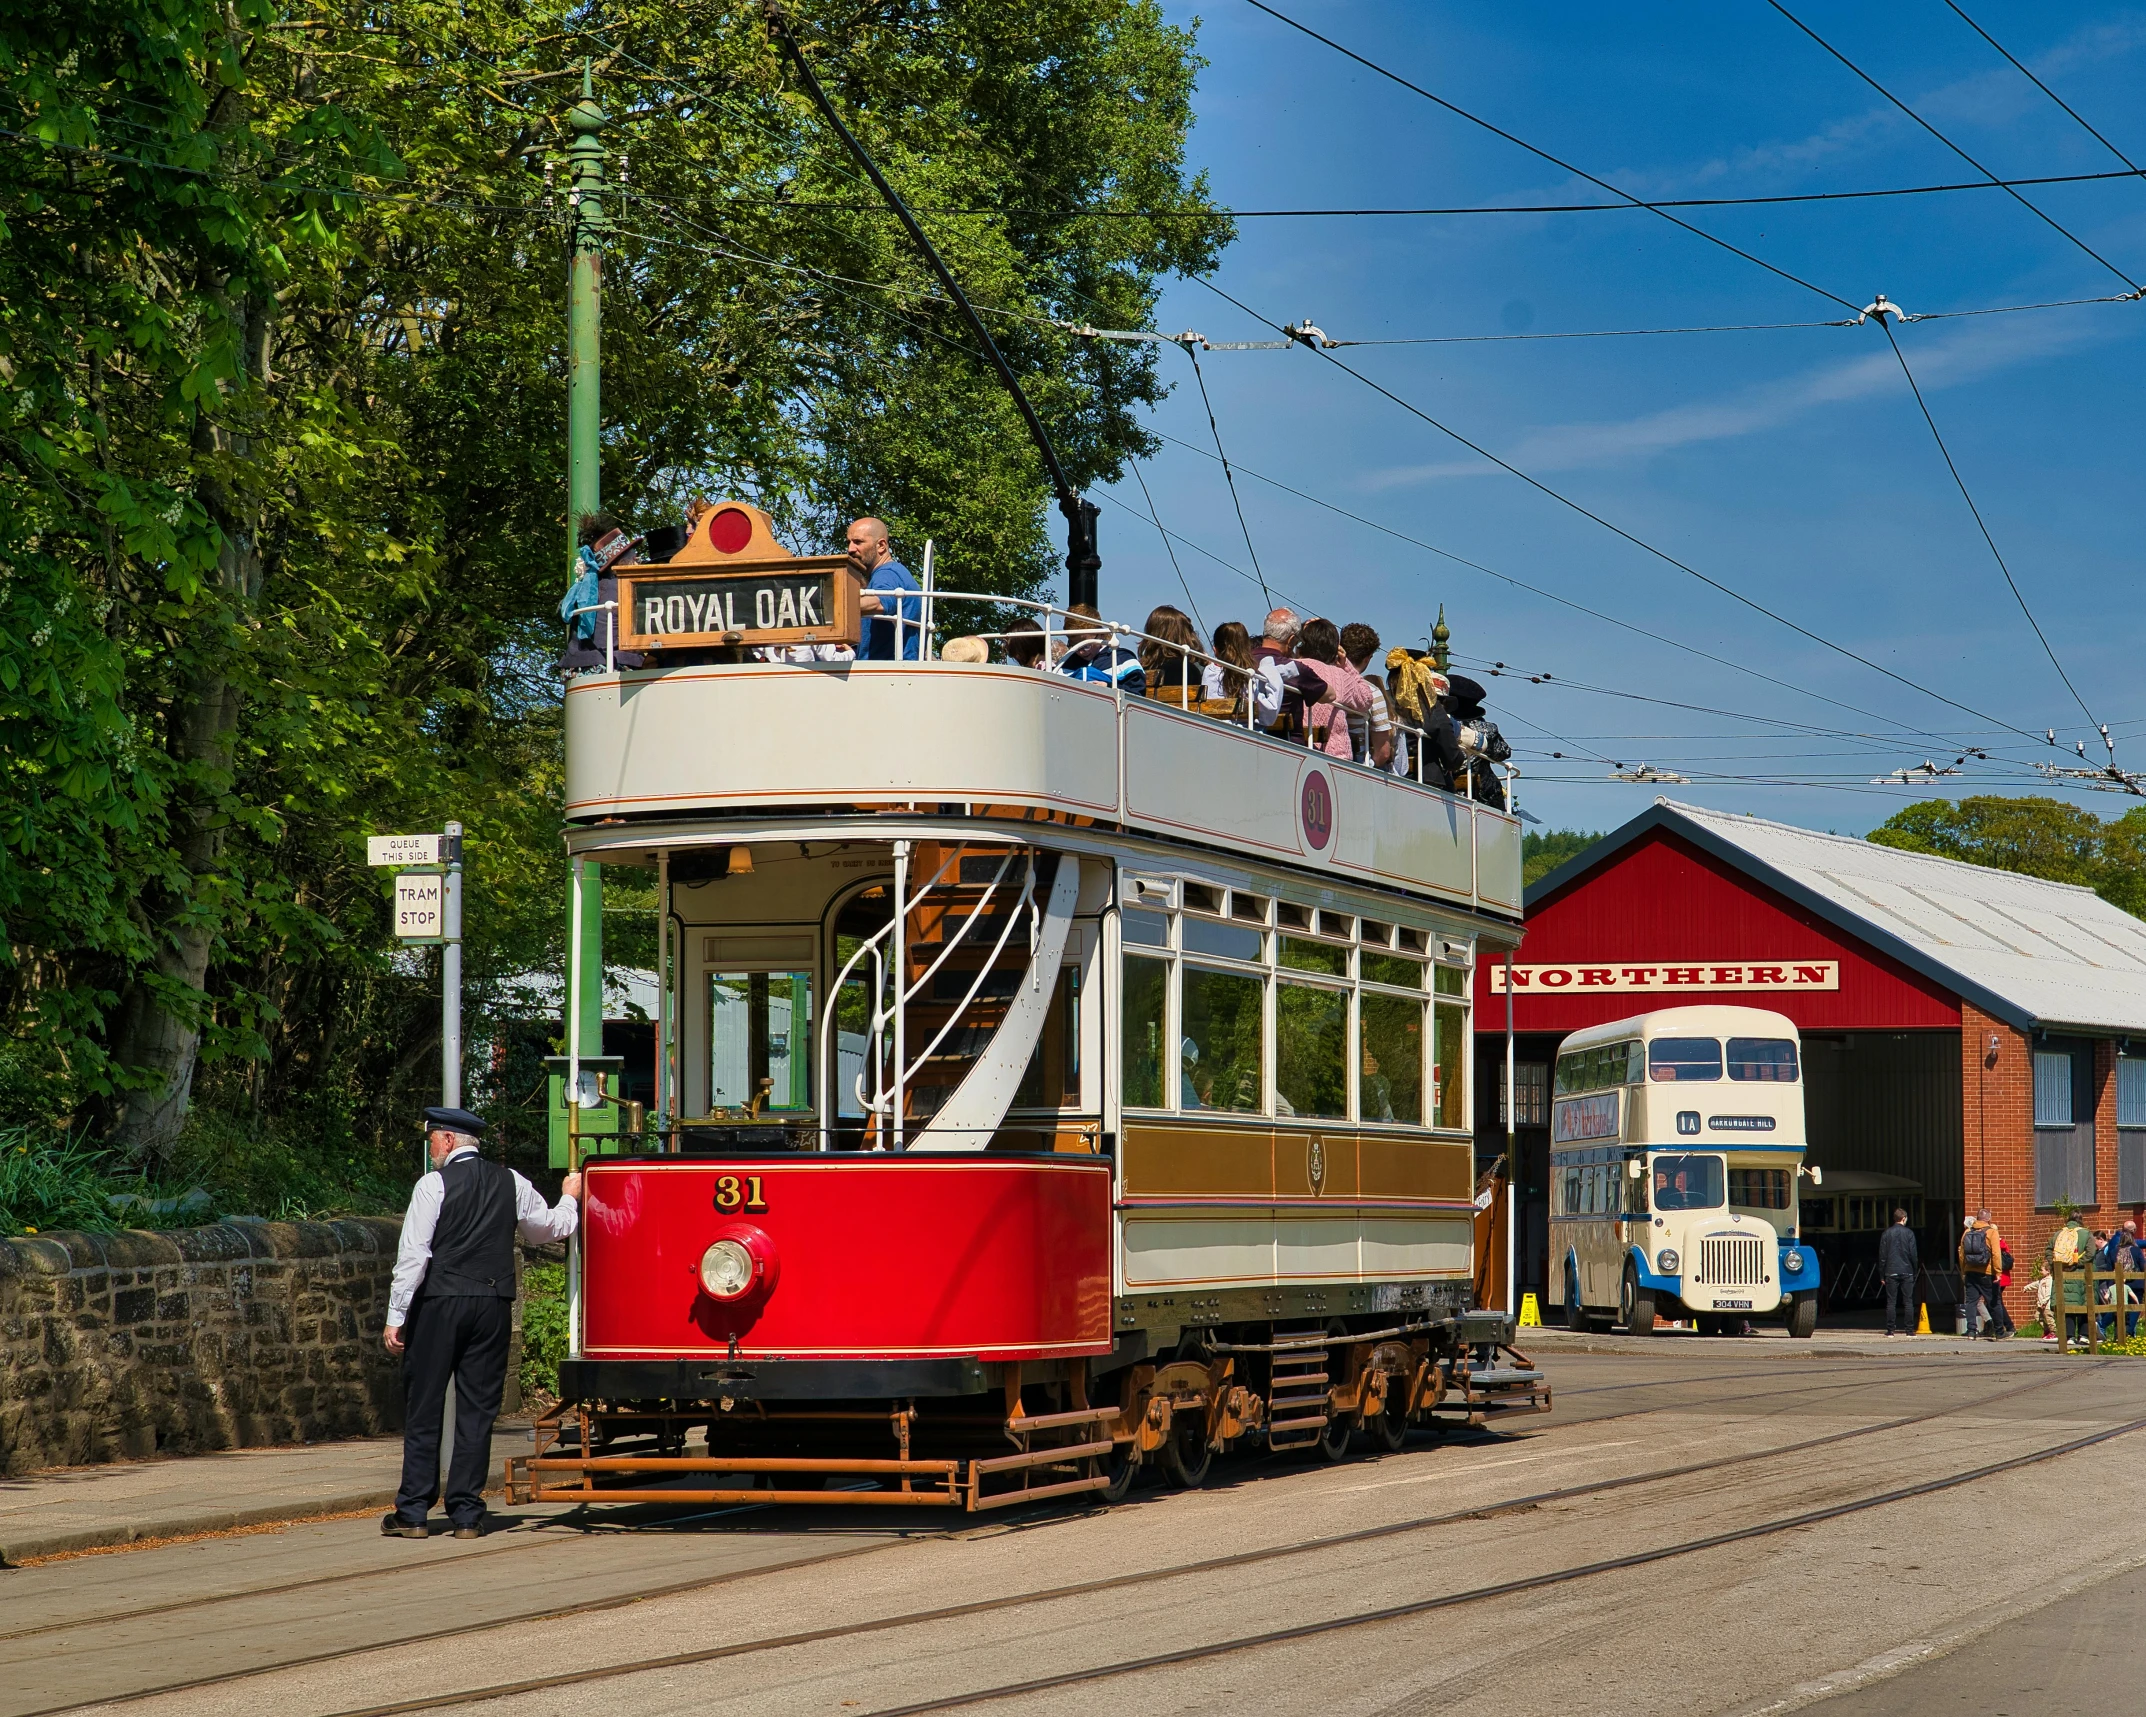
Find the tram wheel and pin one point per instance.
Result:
(1333, 1444)
(1635, 1305)
(1390, 1429)
(1122, 1471)
(1186, 1456)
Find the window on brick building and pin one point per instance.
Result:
(2131, 1129)
(1531, 1093)
(2064, 1124)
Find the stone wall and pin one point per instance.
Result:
(244, 1333)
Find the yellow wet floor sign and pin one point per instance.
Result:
(1922, 1322)
(1530, 1312)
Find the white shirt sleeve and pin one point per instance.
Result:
(1267, 693)
(540, 1222)
(415, 1252)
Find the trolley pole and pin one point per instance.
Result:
(584, 495)
(451, 973)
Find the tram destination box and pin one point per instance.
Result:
(802, 600)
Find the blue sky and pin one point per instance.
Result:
(1791, 464)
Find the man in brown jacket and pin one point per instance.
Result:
(1980, 1249)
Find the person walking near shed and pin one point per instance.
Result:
(1899, 1256)
(447, 1314)
(1980, 1246)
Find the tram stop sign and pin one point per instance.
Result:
(421, 906)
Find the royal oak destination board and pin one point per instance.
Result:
(800, 601)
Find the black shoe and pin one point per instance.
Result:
(394, 1526)
(474, 1530)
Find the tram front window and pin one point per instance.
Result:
(759, 1036)
(1219, 1057)
(1689, 1183)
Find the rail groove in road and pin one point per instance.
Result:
(472, 1560)
(916, 1618)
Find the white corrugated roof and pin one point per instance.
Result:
(2048, 952)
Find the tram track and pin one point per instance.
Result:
(1275, 1553)
(671, 1522)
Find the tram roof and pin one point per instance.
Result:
(2029, 951)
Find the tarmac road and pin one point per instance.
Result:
(1793, 1553)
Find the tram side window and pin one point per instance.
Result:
(1311, 1050)
(1769, 1060)
(1759, 1189)
(1684, 1058)
(1220, 1061)
(1147, 987)
(1392, 1072)
(760, 1036)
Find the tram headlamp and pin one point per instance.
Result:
(727, 1269)
(1666, 1261)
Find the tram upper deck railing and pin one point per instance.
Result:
(679, 744)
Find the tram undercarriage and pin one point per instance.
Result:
(1021, 1431)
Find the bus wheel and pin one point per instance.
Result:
(1635, 1305)
(1186, 1456)
(1803, 1317)
(1575, 1313)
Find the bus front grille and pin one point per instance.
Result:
(1732, 1260)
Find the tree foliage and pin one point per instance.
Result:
(2035, 836)
(282, 454)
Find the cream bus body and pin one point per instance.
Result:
(1677, 1145)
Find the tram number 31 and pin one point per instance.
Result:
(740, 1193)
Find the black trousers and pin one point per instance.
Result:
(466, 1340)
(1900, 1301)
(1978, 1289)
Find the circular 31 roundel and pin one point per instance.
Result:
(1315, 808)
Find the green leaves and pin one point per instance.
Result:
(2036, 836)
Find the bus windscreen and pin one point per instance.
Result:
(1766, 1059)
(1682, 1058)
(1688, 1183)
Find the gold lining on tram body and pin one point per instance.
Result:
(1256, 1160)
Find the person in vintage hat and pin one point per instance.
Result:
(449, 1309)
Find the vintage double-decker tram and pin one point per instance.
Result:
(1051, 1082)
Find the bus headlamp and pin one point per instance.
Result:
(1666, 1261)
(1792, 1262)
(727, 1269)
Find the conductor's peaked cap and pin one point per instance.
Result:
(455, 1121)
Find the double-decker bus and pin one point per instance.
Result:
(1676, 1153)
(1051, 1082)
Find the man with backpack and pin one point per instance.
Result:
(1981, 1251)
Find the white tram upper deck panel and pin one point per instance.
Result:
(735, 737)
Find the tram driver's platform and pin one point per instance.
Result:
(688, 742)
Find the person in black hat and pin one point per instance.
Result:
(448, 1310)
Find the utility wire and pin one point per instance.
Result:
(1640, 543)
(1155, 514)
(2049, 220)
(1228, 475)
(1545, 155)
(2017, 594)
(2044, 88)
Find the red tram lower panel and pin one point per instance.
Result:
(839, 1256)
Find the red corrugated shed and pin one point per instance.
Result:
(1661, 905)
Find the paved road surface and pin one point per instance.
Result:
(1802, 1520)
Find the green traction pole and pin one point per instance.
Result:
(584, 495)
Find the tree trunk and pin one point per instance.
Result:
(160, 1019)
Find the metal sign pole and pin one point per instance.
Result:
(1512, 1149)
(451, 974)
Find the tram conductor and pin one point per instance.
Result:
(449, 1309)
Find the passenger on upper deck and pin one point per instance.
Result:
(1332, 688)
(1419, 693)
(1026, 643)
(1233, 648)
(1371, 733)
(1171, 674)
(895, 629)
(590, 626)
(1271, 692)
(1093, 654)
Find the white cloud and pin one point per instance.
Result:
(1977, 349)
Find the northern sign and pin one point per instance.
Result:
(1668, 976)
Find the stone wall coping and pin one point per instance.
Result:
(61, 1252)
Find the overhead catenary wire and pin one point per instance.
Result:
(1619, 531)
(1996, 553)
(2040, 214)
(1155, 514)
(1228, 476)
(2044, 88)
(1555, 161)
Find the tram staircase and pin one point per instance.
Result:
(983, 923)
(1298, 1387)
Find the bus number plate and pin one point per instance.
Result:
(1732, 1305)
